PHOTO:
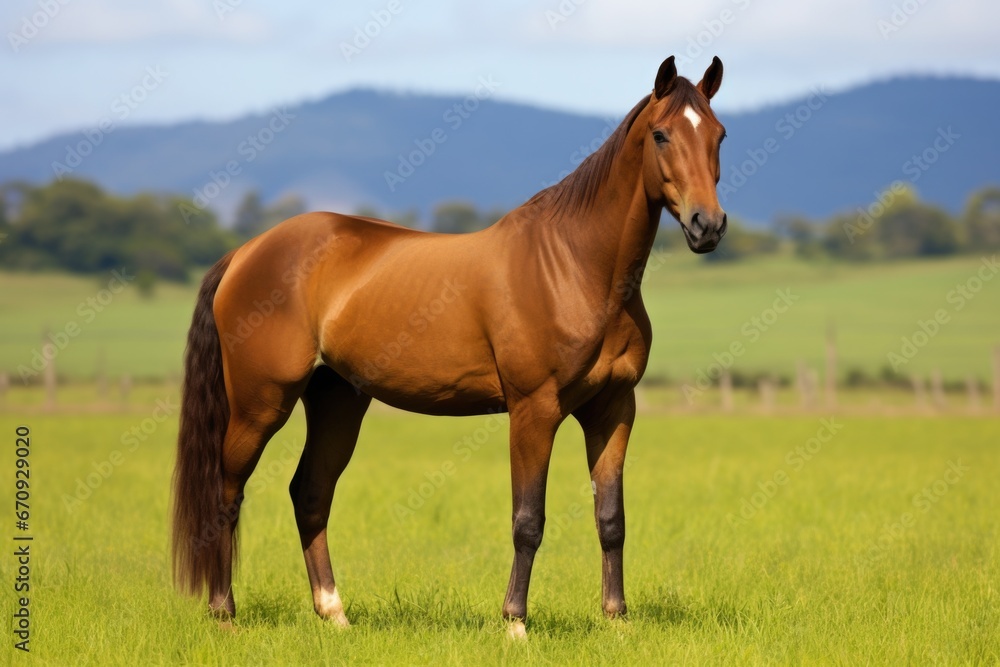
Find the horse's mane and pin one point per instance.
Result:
(579, 189)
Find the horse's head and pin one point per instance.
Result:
(681, 153)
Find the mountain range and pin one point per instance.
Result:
(814, 156)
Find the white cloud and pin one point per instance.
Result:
(101, 22)
(598, 56)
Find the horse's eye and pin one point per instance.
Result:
(659, 137)
(724, 135)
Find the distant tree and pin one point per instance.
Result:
(249, 215)
(408, 218)
(669, 235)
(917, 230)
(456, 218)
(74, 225)
(491, 216)
(366, 211)
(145, 282)
(201, 239)
(4, 223)
(287, 207)
(838, 239)
(253, 217)
(741, 242)
(14, 193)
(981, 220)
(898, 226)
(803, 234)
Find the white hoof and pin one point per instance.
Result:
(340, 620)
(330, 607)
(517, 631)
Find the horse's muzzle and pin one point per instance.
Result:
(704, 232)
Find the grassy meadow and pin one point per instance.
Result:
(863, 536)
(697, 311)
(879, 547)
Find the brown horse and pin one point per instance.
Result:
(539, 315)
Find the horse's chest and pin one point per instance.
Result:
(623, 356)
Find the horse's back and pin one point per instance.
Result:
(394, 310)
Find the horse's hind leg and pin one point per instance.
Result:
(334, 411)
(258, 411)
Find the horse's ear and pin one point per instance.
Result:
(710, 83)
(665, 78)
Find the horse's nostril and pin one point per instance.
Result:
(725, 223)
(696, 224)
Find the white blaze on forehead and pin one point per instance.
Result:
(692, 116)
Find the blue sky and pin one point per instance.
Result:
(64, 64)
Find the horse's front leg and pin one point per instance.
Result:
(532, 429)
(607, 423)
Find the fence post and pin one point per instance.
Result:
(805, 381)
(972, 383)
(126, 388)
(766, 394)
(937, 390)
(102, 375)
(726, 391)
(812, 376)
(49, 374)
(996, 378)
(919, 391)
(831, 367)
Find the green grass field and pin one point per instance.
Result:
(843, 563)
(697, 310)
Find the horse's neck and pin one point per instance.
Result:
(616, 233)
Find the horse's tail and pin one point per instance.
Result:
(198, 482)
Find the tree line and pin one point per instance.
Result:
(75, 225)
(897, 225)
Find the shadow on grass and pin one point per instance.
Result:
(663, 607)
(424, 609)
(543, 621)
(271, 610)
(667, 607)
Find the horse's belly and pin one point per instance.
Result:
(443, 389)
(455, 401)
(441, 370)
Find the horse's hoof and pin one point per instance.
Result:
(222, 614)
(330, 607)
(616, 610)
(516, 631)
(222, 607)
(618, 621)
(340, 621)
